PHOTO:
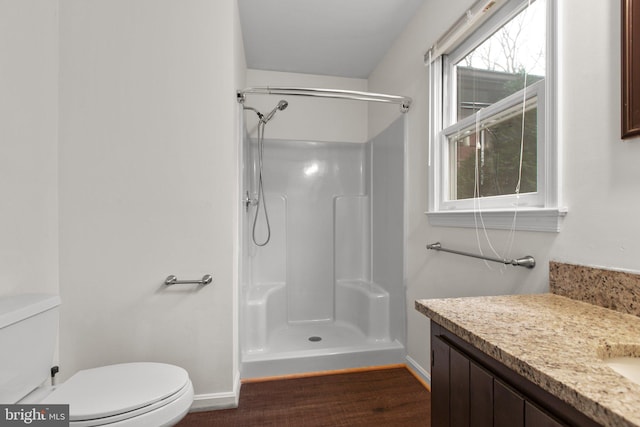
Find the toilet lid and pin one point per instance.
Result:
(115, 389)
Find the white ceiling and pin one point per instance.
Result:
(344, 38)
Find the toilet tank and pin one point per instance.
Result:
(28, 333)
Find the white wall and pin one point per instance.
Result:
(28, 146)
(601, 179)
(308, 119)
(240, 73)
(147, 171)
(148, 186)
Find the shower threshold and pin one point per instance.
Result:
(313, 347)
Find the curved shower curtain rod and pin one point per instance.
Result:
(404, 101)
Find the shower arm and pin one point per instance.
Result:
(404, 101)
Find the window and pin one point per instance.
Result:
(493, 147)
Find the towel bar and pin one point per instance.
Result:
(527, 261)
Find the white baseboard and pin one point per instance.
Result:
(222, 400)
(419, 371)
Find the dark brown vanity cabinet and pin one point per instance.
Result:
(471, 389)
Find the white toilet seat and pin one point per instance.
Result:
(165, 415)
(129, 394)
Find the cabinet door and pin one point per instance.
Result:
(480, 397)
(457, 366)
(535, 417)
(508, 406)
(439, 382)
(459, 388)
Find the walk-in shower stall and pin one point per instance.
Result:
(322, 237)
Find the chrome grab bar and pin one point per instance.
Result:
(173, 280)
(526, 261)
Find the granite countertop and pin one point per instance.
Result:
(555, 342)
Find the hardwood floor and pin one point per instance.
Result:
(388, 397)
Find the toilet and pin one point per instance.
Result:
(122, 395)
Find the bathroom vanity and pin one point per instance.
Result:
(530, 360)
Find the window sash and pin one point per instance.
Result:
(444, 82)
(483, 150)
(496, 110)
(494, 23)
(547, 218)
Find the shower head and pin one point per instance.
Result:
(281, 106)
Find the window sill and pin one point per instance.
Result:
(546, 220)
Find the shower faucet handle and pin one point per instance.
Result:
(248, 201)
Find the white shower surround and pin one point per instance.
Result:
(355, 337)
(310, 300)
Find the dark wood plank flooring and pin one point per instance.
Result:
(388, 397)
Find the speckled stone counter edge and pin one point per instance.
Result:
(616, 290)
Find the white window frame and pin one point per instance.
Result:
(538, 211)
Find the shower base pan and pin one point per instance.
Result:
(318, 346)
